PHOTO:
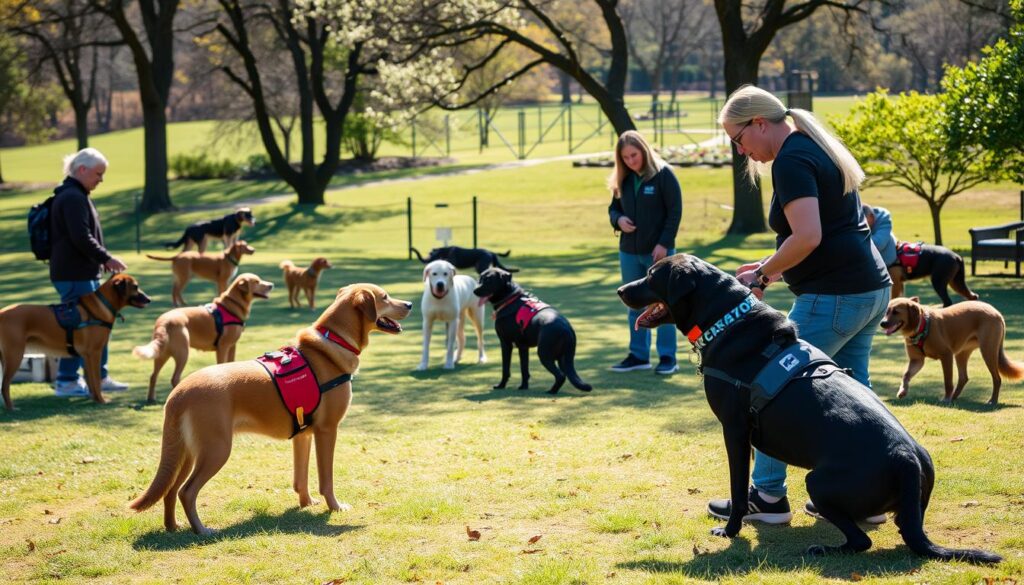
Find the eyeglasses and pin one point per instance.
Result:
(739, 135)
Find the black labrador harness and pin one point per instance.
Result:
(785, 362)
(70, 319)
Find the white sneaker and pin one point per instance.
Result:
(109, 384)
(69, 388)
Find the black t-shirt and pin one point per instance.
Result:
(845, 262)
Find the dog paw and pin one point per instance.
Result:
(449, 366)
(720, 531)
(482, 359)
(341, 507)
(498, 386)
(902, 393)
(204, 531)
(524, 386)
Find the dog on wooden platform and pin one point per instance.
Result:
(86, 328)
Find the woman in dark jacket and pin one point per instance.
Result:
(646, 207)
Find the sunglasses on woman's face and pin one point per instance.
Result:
(739, 135)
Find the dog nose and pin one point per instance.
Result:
(620, 291)
(408, 305)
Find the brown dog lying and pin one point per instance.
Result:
(35, 327)
(219, 268)
(214, 327)
(949, 334)
(303, 279)
(204, 412)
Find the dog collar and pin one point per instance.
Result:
(332, 336)
(923, 328)
(511, 299)
(232, 260)
(701, 338)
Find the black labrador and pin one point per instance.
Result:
(522, 320)
(226, 228)
(477, 258)
(944, 266)
(862, 461)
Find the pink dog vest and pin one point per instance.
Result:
(297, 384)
(908, 255)
(528, 310)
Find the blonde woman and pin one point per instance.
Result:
(823, 252)
(646, 208)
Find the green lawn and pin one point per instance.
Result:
(615, 482)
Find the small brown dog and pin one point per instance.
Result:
(220, 268)
(35, 327)
(305, 280)
(214, 327)
(205, 411)
(949, 334)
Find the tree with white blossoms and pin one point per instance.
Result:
(328, 52)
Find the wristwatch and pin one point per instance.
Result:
(761, 278)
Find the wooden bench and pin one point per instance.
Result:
(999, 242)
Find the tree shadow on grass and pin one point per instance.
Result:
(293, 521)
(782, 548)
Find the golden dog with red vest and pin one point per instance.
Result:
(204, 412)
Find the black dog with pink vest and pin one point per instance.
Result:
(522, 320)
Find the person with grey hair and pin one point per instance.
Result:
(78, 258)
(823, 252)
(880, 222)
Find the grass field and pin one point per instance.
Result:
(615, 482)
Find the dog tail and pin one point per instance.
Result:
(286, 264)
(567, 362)
(505, 268)
(1009, 368)
(505, 255)
(418, 255)
(152, 257)
(916, 474)
(180, 241)
(960, 282)
(154, 347)
(172, 457)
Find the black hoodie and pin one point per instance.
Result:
(76, 235)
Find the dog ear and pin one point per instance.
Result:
(913, 314)
(367, 305)
(916, 299)
(121, 287)
(243, 285)
(425, 271)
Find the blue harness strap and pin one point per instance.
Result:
(799, 360)
(69, 319)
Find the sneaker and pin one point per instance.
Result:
(630, 364)
(757, 509)
(810, 510)
(111, 385)
(69, 388)
(666, 365)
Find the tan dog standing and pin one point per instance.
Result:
(949, 334)
(219, 268)
(35, 328)
(179, 329)
(204, 412)
(304, 280)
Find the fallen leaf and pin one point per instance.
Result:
(610, 575)
(856, 576)
(625, 456)
(693, 491)
(54, 520)
(47, 512)
(696, 551)
(472, 534)
(956, 439)
(534, 436)
(335, 581)
(534, 539)
(31, 545)
(530, 551)
(89, 459)
(970, 504)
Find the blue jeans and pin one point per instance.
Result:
(72, 290)
(841, 326)
(635, 266)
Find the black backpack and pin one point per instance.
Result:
(39, 229)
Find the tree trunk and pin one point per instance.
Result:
(1, 174)
(936, 210)
(748, 212)
(82, 124)
(157, 196)
(565, 82)
(309, 192)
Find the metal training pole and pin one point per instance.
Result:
(138, 226)
(447, 136)
(408, 223)
(474, 221)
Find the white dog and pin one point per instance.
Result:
(448, 297)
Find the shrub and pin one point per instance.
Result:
(201, 166)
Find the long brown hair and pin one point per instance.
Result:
(652, 162)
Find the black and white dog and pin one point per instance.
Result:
(476, 258)
(226, 228)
